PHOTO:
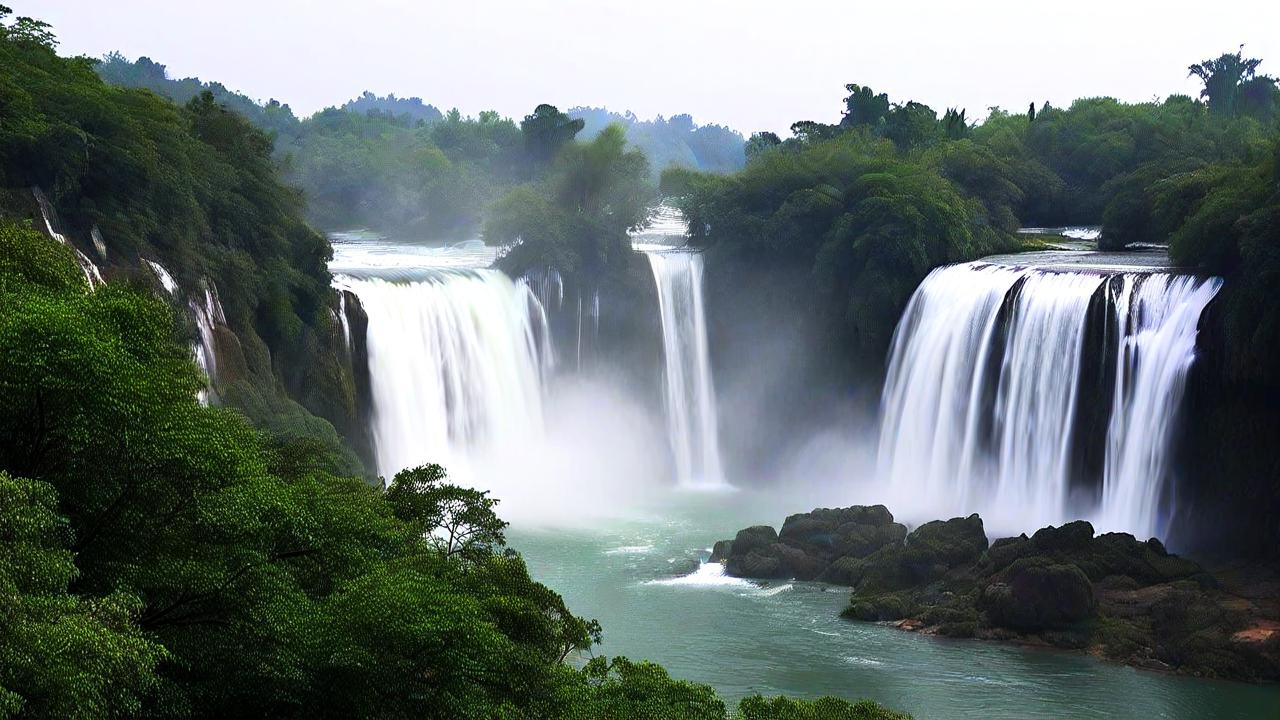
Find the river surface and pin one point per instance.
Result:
(642, 578)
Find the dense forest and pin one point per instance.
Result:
(163, 558)
(404, 167)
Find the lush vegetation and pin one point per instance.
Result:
(576, 219)
(161, 559)
(840, 222)
(195, 188)
(855, 222)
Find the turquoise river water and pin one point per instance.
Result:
(642, 578)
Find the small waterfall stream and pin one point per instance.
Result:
(206, 310)
(91, 273)
(984, 389)
(690, 392)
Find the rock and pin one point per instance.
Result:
(845, 571)
(951, 542)
(1071, 537)
(756, 564)
(1034, 595)
(810, 542)
(753, 538)
(775, 561)
(720, 551)
(879, 607)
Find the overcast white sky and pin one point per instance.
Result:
(750, 65)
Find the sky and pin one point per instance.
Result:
(749, 65)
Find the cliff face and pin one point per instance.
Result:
(1229, 453)
(309, 382)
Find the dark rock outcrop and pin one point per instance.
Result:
(809, 543)
(1113, 595)
(1034, 594)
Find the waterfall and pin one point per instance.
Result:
(457, 361)
(985, 385)
(91, 273)
(206, 310)
(163, 275)
(1160, 320)
(690, 393)
(344, 322)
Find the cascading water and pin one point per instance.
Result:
(163, 275)
(206, 310)
(91, 273)
(457, 361)
(984, 388)
(690, 393)
(1159, 320)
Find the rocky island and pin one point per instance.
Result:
(1111, 595)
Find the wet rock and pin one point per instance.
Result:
(810, 542)
(720, 551)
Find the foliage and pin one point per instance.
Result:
(61, 655)
(458, 521)
(401, 175)
(273, 117)
(827, 708)
(1232, 86)
(864, 222)
(578, 217)
(193, 187)
(546, 131)
(411, 109)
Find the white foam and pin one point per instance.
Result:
(771, 591)
(855, 660)
(630, 550)
(708, 574)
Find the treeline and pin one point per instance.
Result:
(402, 166)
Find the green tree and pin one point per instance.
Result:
(546, 130)
(863, 107)
(61, 655)
(1232, 85)
(458, 521)
(761, 142)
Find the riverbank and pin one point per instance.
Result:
(1111, 595)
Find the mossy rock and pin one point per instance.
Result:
(753, 538)
(951, 542)
(1035, 594)
(892, 606)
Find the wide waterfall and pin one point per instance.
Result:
(690, 393)
(457, 360)
(985, 393)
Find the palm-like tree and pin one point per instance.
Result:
(1224, 79)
